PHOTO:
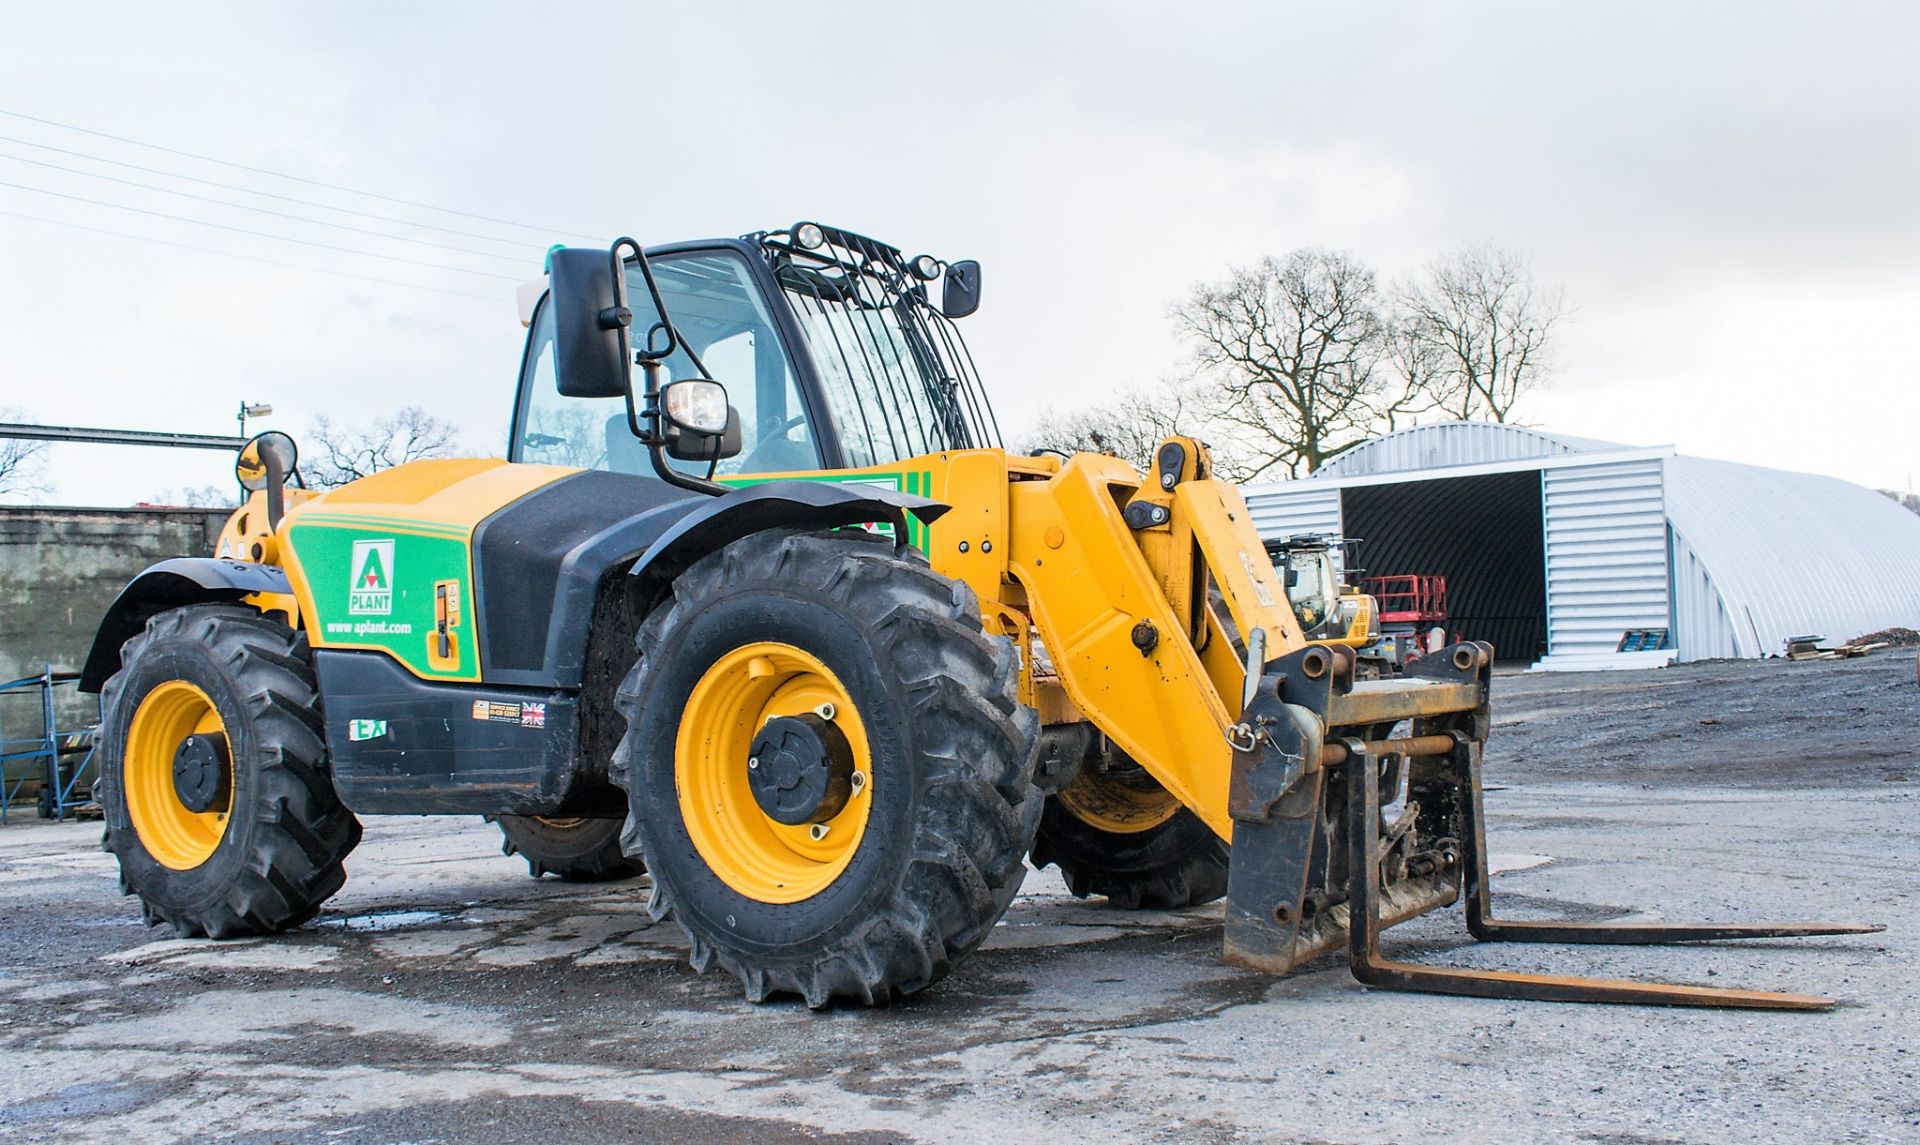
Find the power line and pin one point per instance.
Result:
(283, 175)
(263, 210)
(244, 257)
(263, 194)
(260, 234)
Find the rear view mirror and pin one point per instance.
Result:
(264, 463)
(589, 326)
(594, 326)
(263, 458)
(961, 295)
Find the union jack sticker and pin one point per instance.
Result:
(533, 715)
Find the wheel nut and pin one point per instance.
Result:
(817, 832)
(753, 763)
(825, 711)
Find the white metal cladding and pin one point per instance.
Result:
(1702, 626)
(1451, 443)
(1606, 551)
(1787, 554)
(1290, 508)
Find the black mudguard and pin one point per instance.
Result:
(541, 562)
(772, 504)
(170, 584)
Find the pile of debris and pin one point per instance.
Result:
(1808, 647)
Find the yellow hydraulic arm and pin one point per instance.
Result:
(1116, 576)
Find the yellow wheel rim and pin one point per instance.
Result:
(175, 836)
(1118, 805)
(758, 856)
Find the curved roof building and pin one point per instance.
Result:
(1556, 548)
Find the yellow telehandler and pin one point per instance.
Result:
(812, 647)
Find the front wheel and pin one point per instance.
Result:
(1119, 834)
(576, 850)
(829, 771)
(213, 778)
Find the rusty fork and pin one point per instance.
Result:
(1374, 969)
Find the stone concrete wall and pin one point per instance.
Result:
(59, 570)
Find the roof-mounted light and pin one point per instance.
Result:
(925, 267)
(809, 236)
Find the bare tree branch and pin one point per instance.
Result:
(1137, 421)
(1479, 320)
(22, 462)
(344, 454)
(1302, 355)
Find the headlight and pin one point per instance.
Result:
(809, 236)
(696, 404)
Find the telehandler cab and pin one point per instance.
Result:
(813, 648)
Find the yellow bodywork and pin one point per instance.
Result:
(1045, 545)
(1114, 623)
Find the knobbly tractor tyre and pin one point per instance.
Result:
(829, 771)
(576, 850)
(214, 781)
(1120, 835)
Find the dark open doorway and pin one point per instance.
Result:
(1484, 534)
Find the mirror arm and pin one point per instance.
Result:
(646, 424)
(276, 489)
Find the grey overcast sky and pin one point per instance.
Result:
(1728, 193)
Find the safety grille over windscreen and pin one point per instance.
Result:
(897, 375)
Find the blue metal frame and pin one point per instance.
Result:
(58, 795)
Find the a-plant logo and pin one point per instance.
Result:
(370, 592)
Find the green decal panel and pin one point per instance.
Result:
(917, 482)
(387, 585)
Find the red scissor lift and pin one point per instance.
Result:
(1410, 606)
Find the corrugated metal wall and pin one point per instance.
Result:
(1790, 554)
(1290, 508)
(1702, 628)
(1454, 443)
(1606, 548)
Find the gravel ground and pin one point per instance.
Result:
(445, 997)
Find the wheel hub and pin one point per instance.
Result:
(800, 769)
(201, 772)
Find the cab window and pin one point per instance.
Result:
(721, 317)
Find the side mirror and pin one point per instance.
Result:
(264, 462)
(701, 425)
(593, 322)
(590, 325)
(961, 296)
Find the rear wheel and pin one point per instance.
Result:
(577, 850)
(829, 771)
(1119, 834)
(214, 781)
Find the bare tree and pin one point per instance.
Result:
(1908, 500)
(197, 497)
(1300, 354)
(22, 461)
(1140, 419)
(1481, 322)
(342, 454)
